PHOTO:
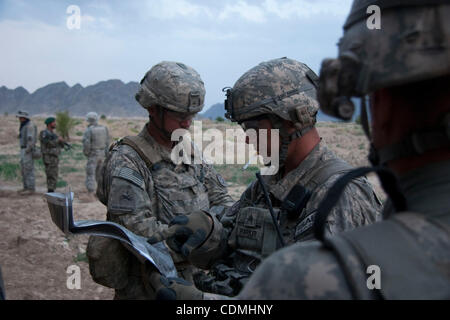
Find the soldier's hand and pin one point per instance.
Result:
(186, 232)
(173, 288)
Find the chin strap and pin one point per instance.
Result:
(418, 143)
(286, 137)
(161, 112)
(388, 180)
(415, 144)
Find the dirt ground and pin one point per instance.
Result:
(35, 255)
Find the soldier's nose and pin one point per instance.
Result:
(185, 124)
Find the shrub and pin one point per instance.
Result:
(64, 123)
(10, 171)
(61, 184)
(220, 119)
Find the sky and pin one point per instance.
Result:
(124, 39)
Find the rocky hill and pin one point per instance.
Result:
(111, 98)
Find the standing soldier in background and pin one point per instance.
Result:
(27, 138)
(51, 146)
(95, 146)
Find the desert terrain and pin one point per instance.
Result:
(35, 255)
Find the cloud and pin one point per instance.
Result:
(172, 9)
(306, 9)
(242, 9)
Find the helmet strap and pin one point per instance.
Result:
(162, 129)
(418, 143)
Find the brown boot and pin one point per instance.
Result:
(27, 192)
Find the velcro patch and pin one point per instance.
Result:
(305, 225)
(131, 175)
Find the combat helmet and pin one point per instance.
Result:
(413, 45)
(282, 89)
(173, 86)
(92, 117)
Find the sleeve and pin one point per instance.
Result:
(302, 271)
(357, 206)
(218, 195)
(31, 137)
(128, 202)
(87, 142)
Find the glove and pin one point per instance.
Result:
(173, 288)
(199, 237)
(185, 233)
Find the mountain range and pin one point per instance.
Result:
(109, 98)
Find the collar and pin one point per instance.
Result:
(426, 189)
(280, 187)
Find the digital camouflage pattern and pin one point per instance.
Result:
(412, 46)
(290, 95)
(173, 86)
(411, 248)
(51, 149)
(251, 236)
(27, 140)
(145, 200)
(312, 271)
(95, 145)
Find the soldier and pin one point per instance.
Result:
(144, 189)
(275, 95)
(95, 146)
(405, 69)
(51, 146)
(28, 151)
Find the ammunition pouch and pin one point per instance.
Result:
(108, 262)
(255, 232)
(36, 153)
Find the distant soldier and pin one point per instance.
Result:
(27, 138)
(95, 146)
(51, 146)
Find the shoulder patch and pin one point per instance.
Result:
(132, 176)
(222, 181)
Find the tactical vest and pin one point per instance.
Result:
(410, 251)
(182, 196)
(255, 232)
(99, 137)
(49, 143)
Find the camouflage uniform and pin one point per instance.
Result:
(145, 197)
(280, 89)
(27, 139)
(412, 246)
(95, 145)
(251, 240)
(51, 149)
